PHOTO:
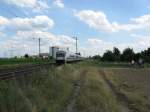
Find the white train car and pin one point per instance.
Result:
(66, 57)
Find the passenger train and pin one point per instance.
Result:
(66, 57)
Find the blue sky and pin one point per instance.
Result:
(98, 24)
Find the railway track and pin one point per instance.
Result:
(22, 71)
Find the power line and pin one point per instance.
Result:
(12, 12)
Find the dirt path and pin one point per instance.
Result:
(71, 107)
(121, 98)
(122, 101)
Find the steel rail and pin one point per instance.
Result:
(21, 72)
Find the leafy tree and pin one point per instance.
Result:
(127, 55)
(108, 56)
(146, 55)
(116, 53)
(97, 57)
(137, 56)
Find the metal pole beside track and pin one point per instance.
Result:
(76, 44)
(39, 46)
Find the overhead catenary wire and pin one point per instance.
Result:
(13, 14)
(11, 11)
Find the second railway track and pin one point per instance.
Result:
(22, 71)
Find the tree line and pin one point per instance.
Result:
(127, 55)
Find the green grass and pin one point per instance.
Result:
(95, 62)
(12, 61)
(95, 95)
(15, 62)
(51, 90)
(92, 62)
(43, 91)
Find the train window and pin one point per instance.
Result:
(60, 54)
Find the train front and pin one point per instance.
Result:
(60, 57)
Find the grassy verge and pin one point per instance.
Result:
(92, 62)
(94, 95)
(43, 91)
(52, 90)
(13, 63)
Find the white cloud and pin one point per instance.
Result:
(41, 22)
(143, 41)
(58, 3)
(95, 46)
(21, 3)
(36, 5)
(99, 21)
(34, 34)
(23, 43)
(28, 28)
(46, 37)
(38, 22)
(2, 34)
(27, 42)
(66, 39)
(41, 6)
(3, 21)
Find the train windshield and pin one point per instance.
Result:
(60, 54)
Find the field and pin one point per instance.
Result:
(82, 87)
(134, 84)
(16, 62)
